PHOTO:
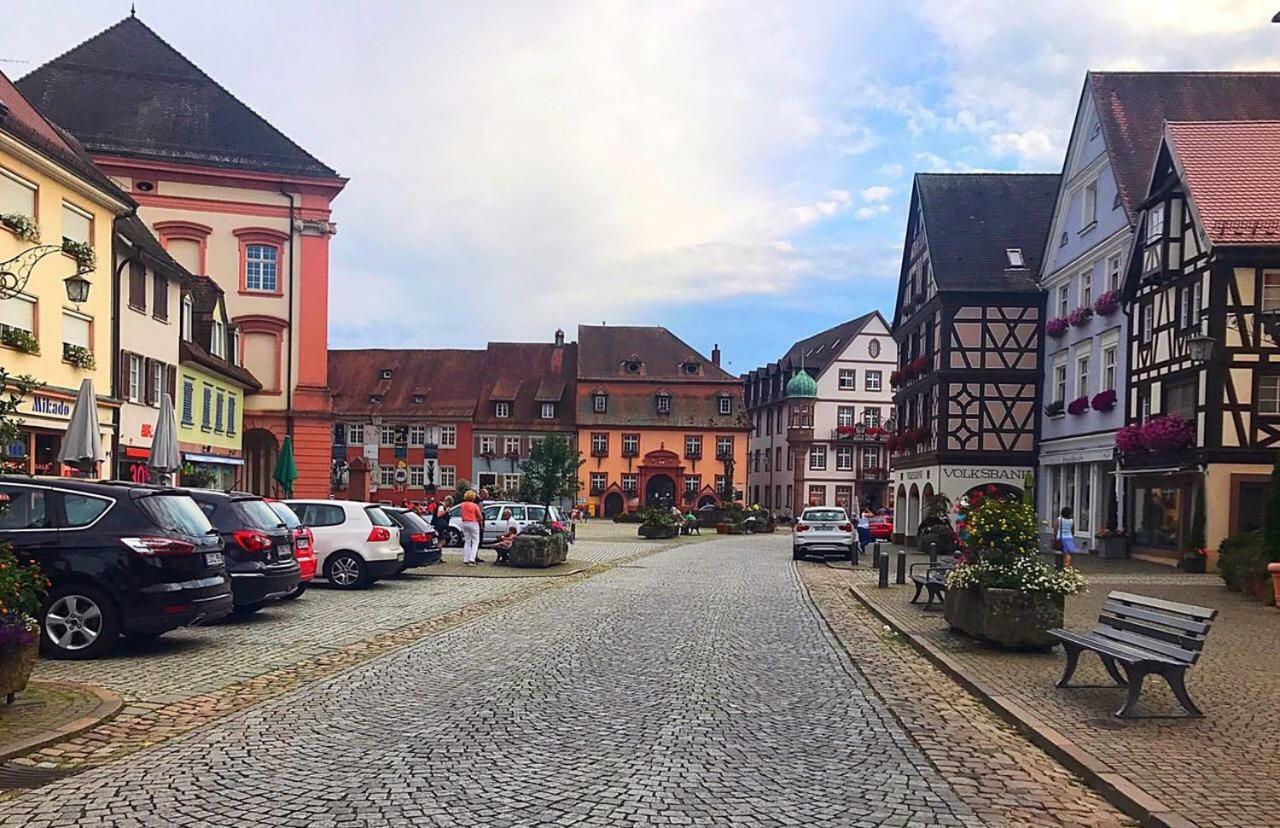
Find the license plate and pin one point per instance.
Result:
(303, 543)
(826, 528)
(213, 559)
(285, 553)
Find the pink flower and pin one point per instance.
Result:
(1108, 303)
(1104, 400)
(1129, 439)
(1056, 327)
(1078, 406)
(1167, 433)
(1080, 316)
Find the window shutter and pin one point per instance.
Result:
(148, 386)
(171, 381)
(123, 390)
(137, 286)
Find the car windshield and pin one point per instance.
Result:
(175, 512)
(379, 517)
(285, 514)
(259, 514)
(823, 514)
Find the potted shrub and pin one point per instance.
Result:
(1054, 409)
(1002, 591)
(85, 258)
(1108, 303)
(1055, 327)
(22, 589)
(1103, 401)
(657, 523)
(1078, 406)
(1112, 543)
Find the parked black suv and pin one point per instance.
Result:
(137, 560)
(416, 536)
(260, 557)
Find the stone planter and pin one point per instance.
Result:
(16, 665)
(1112, 548)
(1013, 619)
(657, 531)
(536, 551)
(1274, 569)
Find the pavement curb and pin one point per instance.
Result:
(1097, 774)
(109, 704)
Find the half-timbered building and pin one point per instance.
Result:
(968, 328)
(1203, 290)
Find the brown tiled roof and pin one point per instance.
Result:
(448, 380)
(25, 123)
(127, 92)
(1231, 170)
(524, 374)
(604, 350)
(1133, 106)
(205, 294)
(194, 352)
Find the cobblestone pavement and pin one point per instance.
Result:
(1220, 770)
(693, 686)
(1004, 778)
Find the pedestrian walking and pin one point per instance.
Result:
(1064, 535)
(472, 520)
(864, 530)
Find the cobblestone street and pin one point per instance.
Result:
(694, 686)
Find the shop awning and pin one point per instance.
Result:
(1099, 454)
(212, 458)
(135, 453)
(1155, 472)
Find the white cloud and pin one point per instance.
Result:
(879, 192)
(864, 213)
(891, 170)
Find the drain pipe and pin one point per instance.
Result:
(288, 363)
(115, 338)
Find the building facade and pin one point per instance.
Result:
(968, 327)
(1116, 131)
(50, 197)
(402, 426)
(845, 461)
(1203, 286)
(229, 196)
(658, 423)
(526, 392)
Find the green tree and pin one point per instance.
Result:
(1271, 523)
(12, 391)
(551, 472)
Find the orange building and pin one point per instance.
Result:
(658, 423)
(229, 196)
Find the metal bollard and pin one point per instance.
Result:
(901, 576)
(857, 549)
(933, 553)
(875, 555)
(884, 572)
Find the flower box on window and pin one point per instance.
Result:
(24, 227)
(1056, 327)
(1104, 400)
(19, 340)
(1054, 408)
(895, 379)
(1078, 406)
(82, 253)
(1108, 303)
(630, 452)
(78, 356)
(599, 452)
(1080, 316)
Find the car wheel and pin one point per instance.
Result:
(346, 570)
(296, 592)
(249, 609)
(79, 621)
(453, 537)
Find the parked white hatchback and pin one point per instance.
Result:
(355, 543)
(822, 528)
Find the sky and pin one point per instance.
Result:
(736, 171)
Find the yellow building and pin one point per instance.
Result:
(55, 206)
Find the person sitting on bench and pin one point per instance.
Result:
(692, 526)
(503, 546)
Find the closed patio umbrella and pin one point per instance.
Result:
(164, 459)
(286, 472)
(82, 444)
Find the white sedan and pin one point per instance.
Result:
(356, 543)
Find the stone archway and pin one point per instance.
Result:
(260, 452)
(660, 490)
(614, 504)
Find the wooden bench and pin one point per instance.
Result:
(934, 580)
(1142, 636)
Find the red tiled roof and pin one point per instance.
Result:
(525, 374)
(1133, 106)
(448, 380)
(605, 348)
(1231, 170)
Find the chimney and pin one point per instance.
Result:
(715, 355)
(559, 337)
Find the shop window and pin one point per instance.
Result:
(818, 495)
(1158, 517)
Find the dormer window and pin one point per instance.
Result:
(419, 399)
(187, 308)
(664, 403)
(726, 404)
(375, 399)
(502, 410)
(1014, 254)
(599, 402)
(385, 373)
(632, 366)
(691, 368)
(548, 411)
(218, 339)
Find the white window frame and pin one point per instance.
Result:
(68, 207)
(386, 435)
(548, 411)
(417, 476)
(1064, 298)
(135, 378)
(488, 444)
(1059, 383)
(218, 339)
(1086, 288)
(844, 458)
(872, 380)
(1146, 324)
(599, 481)
(448, 436)
(1113, 272)
(664, 403)
(448, 476)
(266, 282)
(417, 435)
(502, 410)
(20, 184)
(1110, 363)
(355, 434)
(692, 483)
(600, 403)
(510, 445)
(693, 445)
(599, 442)
(844, 416)
(724, 445)
(1089, 205)
(188, 308)
(726, 405)
(631, 443)
(818, 457)
(870, 457)
(157, 382)
(848, 379)
(1082, 374)
(871, 416)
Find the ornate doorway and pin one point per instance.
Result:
(613, 504)
(660, 491)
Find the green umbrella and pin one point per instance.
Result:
(286, 472)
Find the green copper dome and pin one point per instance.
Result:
(802, 386)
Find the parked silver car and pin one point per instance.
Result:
(522, 514)
(822, 529)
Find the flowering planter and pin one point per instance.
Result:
(16, 664)
(1112, 548)
(536, 551)
(1011, 618)
(657, 531)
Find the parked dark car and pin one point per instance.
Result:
(259, 547)
(121, 559)
(416, 536)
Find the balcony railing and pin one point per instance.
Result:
(599, 452)
(874, 473)
(866, 434)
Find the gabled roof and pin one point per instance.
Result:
(971, 219)
(448, 381)
(817, 351)
(25, 123)
(604, 349)
(525, 374)
(1133, 107)
(127, 92)
(1230, 171)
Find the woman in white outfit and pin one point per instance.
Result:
(472, 519)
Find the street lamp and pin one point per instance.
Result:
(77, 289)
(15, 272)
(1200, 347)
